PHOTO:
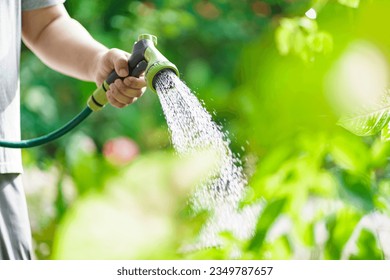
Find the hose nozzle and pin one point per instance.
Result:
(145, 57)
(156, 61)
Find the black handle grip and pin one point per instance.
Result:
(135, 72)
(112, 77)
(139, 69)
(137, 63)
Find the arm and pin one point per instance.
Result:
(64, 45)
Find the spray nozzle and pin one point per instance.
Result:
(145, 57)
(156, 62)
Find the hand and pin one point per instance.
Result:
(121, 93)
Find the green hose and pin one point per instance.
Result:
(51, 136)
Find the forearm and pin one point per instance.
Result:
(64, 45)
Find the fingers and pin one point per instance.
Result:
(123, 93)
(119, 59)
(130, 87)
(135, 83)
(126, 91)
(115, 102)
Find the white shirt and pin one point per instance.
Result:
(10, 38)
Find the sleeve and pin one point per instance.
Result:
(37, 4)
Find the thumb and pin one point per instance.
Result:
(119, 59)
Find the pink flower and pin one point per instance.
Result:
(120, 151)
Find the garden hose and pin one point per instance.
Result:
(144, 58)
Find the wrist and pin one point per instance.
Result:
(95, 66)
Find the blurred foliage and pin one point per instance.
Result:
(262, 67)
(302, 37)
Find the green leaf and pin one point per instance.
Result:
(267, 218)
(285, 35)
(357, 190)
(283, 38)
(300, 36)
(368, 247)
(308, 25)
(321, 42)
(340, 228)
(279, 249)
(368, 122)
(379, 153)
(385, 133)
(350, 3)
(299, 41)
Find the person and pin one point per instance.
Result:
(64, 45)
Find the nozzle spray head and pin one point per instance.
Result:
(146, 57)
(156, 62)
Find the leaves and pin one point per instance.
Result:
(267, 218)
(300, 36)
(340, 227)
(385, 133)
(368, 122)
(136, 212)
(368, 247)
(357, 190)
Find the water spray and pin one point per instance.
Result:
(145, 57)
